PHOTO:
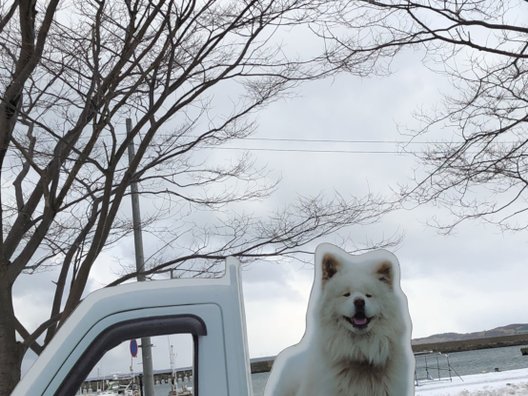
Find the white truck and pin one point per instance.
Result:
(211, 310)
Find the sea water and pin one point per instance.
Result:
(462, 363)
(483, 360)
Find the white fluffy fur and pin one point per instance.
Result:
(336, 358)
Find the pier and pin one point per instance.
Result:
(258, 365)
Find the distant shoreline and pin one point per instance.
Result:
(263, 364)
(473, 344)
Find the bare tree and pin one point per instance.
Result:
(190, 74)
(478, 170)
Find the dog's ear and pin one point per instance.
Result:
(385, 273)
(330, 266)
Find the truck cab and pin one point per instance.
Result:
(210, 310)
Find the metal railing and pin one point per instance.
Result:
(433, 366)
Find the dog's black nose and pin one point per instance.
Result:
(359, 303)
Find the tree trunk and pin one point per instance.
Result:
(10, 357)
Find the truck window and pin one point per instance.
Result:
(119, 372)
(102, 362)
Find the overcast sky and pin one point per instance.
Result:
(472, 280)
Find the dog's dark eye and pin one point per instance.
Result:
(347, 294)
(368, 295)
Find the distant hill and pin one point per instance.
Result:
(509, 330)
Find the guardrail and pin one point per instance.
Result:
(433, 366)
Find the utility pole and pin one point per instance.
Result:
(146, 350)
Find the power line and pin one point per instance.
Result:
(322, 151)
(401, 151)
(331, 141)
(352, 141)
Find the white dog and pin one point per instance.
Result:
(358, 332)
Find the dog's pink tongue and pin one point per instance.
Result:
(360, 321)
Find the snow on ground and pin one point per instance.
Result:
(513, 382)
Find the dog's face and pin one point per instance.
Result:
(356, 296)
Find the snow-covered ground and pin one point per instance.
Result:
(514, 382)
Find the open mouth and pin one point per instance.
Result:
(359, 320)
